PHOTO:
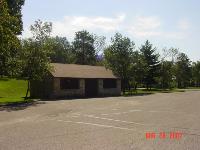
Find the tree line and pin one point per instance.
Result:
(30, 58)
(145, 67)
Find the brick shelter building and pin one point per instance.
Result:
(72, 80)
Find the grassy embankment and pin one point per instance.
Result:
(12, 91)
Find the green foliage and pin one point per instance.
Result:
(118, 57)
(36, 62)
(61, 50)
(151, 59)
(14, 9)
(9, 43)
(41, 31)
(166, 74)
(36, 51)
(83, 48)
(170, 53)
(196, 73)
(167, 78)
(138, 69)
(183, 70)
(86, 47)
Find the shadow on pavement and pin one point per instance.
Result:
(20, 106)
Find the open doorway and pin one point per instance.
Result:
(91, 87)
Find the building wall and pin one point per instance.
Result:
(59, 93)
(50, 88)
(109, 91)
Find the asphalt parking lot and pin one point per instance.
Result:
(158, 121)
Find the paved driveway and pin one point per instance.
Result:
(158, 121)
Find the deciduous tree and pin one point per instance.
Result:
(9, 43)
(36, 52)
(83, 48)
(118, 57)
(139, 69)
(61, 50)
(14, 9)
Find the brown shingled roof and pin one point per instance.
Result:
(81, 71)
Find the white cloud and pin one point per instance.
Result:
(71, 24)
(183, 24)
(174, 35)
(151, 26)
(145, 27)
(140, 27)
(147, 23)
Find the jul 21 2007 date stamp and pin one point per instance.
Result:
(164, 135)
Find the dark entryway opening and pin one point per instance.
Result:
(91, 87)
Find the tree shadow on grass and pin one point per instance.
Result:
(3, 79)
(20, 105)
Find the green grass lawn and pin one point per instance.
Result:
(12, 90)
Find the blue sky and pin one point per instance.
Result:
(166, 23)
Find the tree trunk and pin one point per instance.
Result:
(147, 86)
(123, 85)
(124, 91)
(135, 87)
(162, 83)
(28, 89)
